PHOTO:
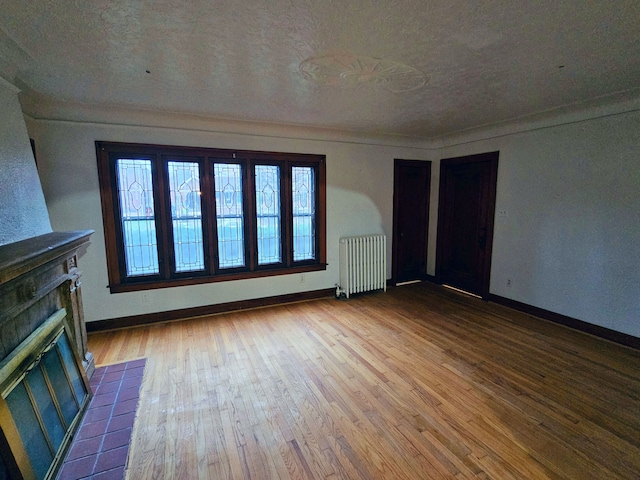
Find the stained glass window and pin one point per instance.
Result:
(229, 214)
(304, 213)
(268, 214)
(186, 216)
(135, 191)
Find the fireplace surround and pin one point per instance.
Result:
(45, 366)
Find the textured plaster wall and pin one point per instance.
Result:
(23, 212)
(359, 201)
(570, 238)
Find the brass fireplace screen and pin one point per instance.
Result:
(44, 393)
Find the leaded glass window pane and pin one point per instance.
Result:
(268, 214)
(186, 215)
(304, 213)
(229, 214)
(135, 192)
(161, 231)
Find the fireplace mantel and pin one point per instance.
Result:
(44, 362)
(38, 276)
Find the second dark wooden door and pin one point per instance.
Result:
(412, 181)
(465, 221)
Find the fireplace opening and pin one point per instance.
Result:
(43, 395)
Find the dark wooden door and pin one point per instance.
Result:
(412, 182)
(465, 221)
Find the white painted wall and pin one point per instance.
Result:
(571, 191)
(23, 212)
(571, 239)
(359, 201)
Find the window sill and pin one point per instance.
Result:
(221, 277)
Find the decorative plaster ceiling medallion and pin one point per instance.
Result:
(348, 70)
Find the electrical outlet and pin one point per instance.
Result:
(509, 282)
(502, 213)
(302, 279)
(145, 297)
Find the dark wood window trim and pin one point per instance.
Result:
(167, 276)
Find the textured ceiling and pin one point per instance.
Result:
(416, 68)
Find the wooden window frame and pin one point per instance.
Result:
(108, 152)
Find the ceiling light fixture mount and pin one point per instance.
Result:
(352, 71)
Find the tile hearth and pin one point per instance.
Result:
(101, 446)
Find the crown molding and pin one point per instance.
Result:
(41, 108)
(606, 106)
(46, 109)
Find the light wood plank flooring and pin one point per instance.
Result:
(415, 383)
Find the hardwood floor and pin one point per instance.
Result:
(415, 383)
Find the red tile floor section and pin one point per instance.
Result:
(101, 445)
